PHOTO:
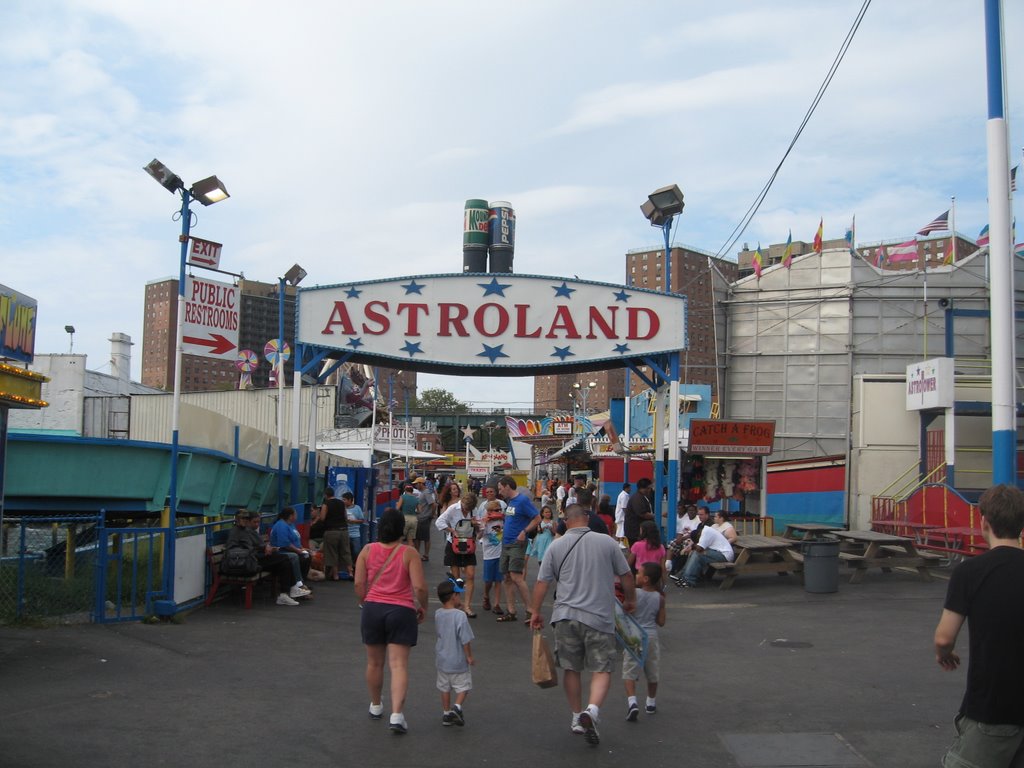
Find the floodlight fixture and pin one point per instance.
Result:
(165, 177)
(69, 329)
(209, 191)
(668, 200)
(295, 275)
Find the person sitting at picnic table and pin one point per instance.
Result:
(712, 547)
(723, 526)
(286, 538)
(680, 547)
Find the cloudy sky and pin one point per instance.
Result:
(350, 135)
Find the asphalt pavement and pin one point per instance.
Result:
(764, 674)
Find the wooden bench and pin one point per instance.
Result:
(214, 556)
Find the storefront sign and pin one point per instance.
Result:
(930, 384)
(17, 325)
(740, 438)
(514, 324)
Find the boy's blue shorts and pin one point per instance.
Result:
(491, 571)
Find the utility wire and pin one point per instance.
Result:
(740, 228)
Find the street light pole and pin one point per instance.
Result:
(661, 208)
(208, 191)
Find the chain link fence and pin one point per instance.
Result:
(48, 568)
(71, 569)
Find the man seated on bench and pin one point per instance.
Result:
(712, 547)
(689, 526)
(245, 535)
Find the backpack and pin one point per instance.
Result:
(240, 561)
(464, 540)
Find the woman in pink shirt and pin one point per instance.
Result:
(648, 549)
(391, 588)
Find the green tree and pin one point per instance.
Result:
(439, 401)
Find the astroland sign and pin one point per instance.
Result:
(503, 323)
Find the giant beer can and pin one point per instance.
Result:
(501, 236)
(474, 236)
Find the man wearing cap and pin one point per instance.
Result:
(583, 567)
(521, 517)
(245, 535)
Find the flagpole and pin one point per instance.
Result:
(952, 223)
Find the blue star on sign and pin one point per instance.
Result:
(562, 352)
(413, 287)
(621, 296)
(355, 343)
(412, 349)
(622, 348)
(563, 290)
(492, 353)
(494, 287)
(353, 293)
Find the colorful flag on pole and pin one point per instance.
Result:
(850, 234)
(880, 256)
(1018, 250)
(903, 252)
(758, 262)
(787, 255)
(1013, 178)
(949, 253)
(983, 236)
(818, 235)
(938, 224)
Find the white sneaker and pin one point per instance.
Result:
(377, 711)
(283, 599)
(298, 591)
(589, 723)
(575, 726)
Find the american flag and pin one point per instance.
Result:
(938, 224)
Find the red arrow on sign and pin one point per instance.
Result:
(218, 344)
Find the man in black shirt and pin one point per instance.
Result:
(988, 591)
(638, 508)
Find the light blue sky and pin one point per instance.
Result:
(350, 135)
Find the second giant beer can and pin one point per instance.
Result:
(474, 236)
(501, 236)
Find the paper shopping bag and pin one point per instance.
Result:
(545, 674)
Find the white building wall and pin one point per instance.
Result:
(64, 392)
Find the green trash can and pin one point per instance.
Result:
(821, 566)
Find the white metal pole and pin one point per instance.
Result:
(1001, 284)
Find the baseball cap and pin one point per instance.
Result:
(447, 588)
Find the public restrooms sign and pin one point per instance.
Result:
(514, 323)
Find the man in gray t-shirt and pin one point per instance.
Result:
(583, 566)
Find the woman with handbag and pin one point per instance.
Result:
(392, 591)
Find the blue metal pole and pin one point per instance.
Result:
(166, 606)
(673, 406)
(1004, 416)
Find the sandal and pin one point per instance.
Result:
(487, 604)
(470, 615)
(498, 611)
(508, 617)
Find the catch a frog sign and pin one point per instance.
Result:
(497, 323)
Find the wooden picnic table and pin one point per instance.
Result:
(873, 549)
(808, 531)
(759, 554)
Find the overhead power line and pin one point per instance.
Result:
(740, 228)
